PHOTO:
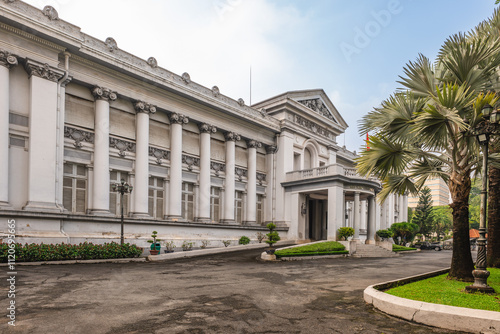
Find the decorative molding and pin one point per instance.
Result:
(51, 13)
(159, 154)
(9, 1)
(261, 177)
(176, 118)
(186, 78)
(215, 91)
(78, 136)
(271, 149)
(232, 136)
(240, 172)
(207, 128)
(319, 107)
(7, 59)
(253, 144)
(147, 108)
(43, 71)
(190, 161)
(32, 37)
(241, 102)
(152, 62)
(111, 44)
(122, 145)
(217, 167)
(313, 127)
(101, 93)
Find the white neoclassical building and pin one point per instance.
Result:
(78, 115)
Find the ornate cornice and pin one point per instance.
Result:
(7, 59)
(253, 144)
(313, 127)
(176, 118)
(190, 161)
(217, 167)
(144, 107)
(111, 44)
(43, 71)
(232, 136)
(78, 136)
(101, 93)
(159, 154)
(207, 128)
(271, 149)
(122, 145)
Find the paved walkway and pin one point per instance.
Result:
(226, 293)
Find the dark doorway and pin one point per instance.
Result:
(317, 219)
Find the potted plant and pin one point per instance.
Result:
(169, 247)
(155, 244)
(187, 246)
(272, 238)
(345, 232)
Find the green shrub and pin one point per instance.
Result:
(321, 248)
(345, 232)
(398, 248)
(57, 252)
(384, 234)
(244, 240)
(187, 246)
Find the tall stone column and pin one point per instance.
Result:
(43, 136)
(336, 214)
(270, 195)
(175, 186)
(143, 110)
(401, 211)
(252, 146)
(370, 228)
(100, 202)
(383, 216)
(204, 178)
(357, 220)
(229, 183)
(7, 60)
(405, 207)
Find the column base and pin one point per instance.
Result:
(228, 222)
(140, 215)
(5, 206)
(370, 242)
(203, 220)
(174, 218)
(101, 213)
(42, 207)
(250, 223)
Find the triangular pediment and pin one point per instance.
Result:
(318, 106)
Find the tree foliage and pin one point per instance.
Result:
(404, 232)
(423, 216)
(443, 220)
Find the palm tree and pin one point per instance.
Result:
(420, 132)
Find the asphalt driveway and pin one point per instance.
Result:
(225, 293)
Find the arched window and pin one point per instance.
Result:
(308, 163)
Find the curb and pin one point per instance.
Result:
(436, 315)
(314, 257)
(40, 263)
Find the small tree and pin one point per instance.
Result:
(423, 215)
(273, 236)
(384, 234)
(345, 232)
(404, 231)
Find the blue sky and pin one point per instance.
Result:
(354, 50)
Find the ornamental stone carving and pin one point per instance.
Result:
(319, 107)
(271, 149)
(313, 127)
(261, 177)
(7, 59)
(159, 154)
(241, 102)
(240, 172)
(217, 167)
(232, 136)
(111, 44)
(122, 145)
(215, 91)
(253, 144)
(43, 71)
(152, 62)
(207, 128)
(144, 107)
(176, 118)
(78, 136)
(101, 93)
(186, 78)
(51, 13)
(190, 161)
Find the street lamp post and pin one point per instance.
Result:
(487, 127)
(122, 188)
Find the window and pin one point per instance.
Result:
(187, 201)
(74, 187)
(115, 197)
(215, 204)
(307, 159)
(260, 203)
(155, 197)
(238, 206)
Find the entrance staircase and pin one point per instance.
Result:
(364, 250)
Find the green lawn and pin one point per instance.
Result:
(440, 290)
(320, 248)
(398, 248)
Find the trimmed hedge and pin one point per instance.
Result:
(398, 248)
(57, 252)
(322, 248)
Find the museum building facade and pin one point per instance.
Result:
(78, 115)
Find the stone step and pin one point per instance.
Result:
(368, 250)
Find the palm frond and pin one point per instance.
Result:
(399, 184)
(420, 77)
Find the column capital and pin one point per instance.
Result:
(7, 59)
(253, 144)
(232, 136)
(144, 107)
(176, 118)
(44, 71)
(101, 93)
(271, 149)
(207, 128)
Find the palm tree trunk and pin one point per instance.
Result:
(461, 261)
(493, 247)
